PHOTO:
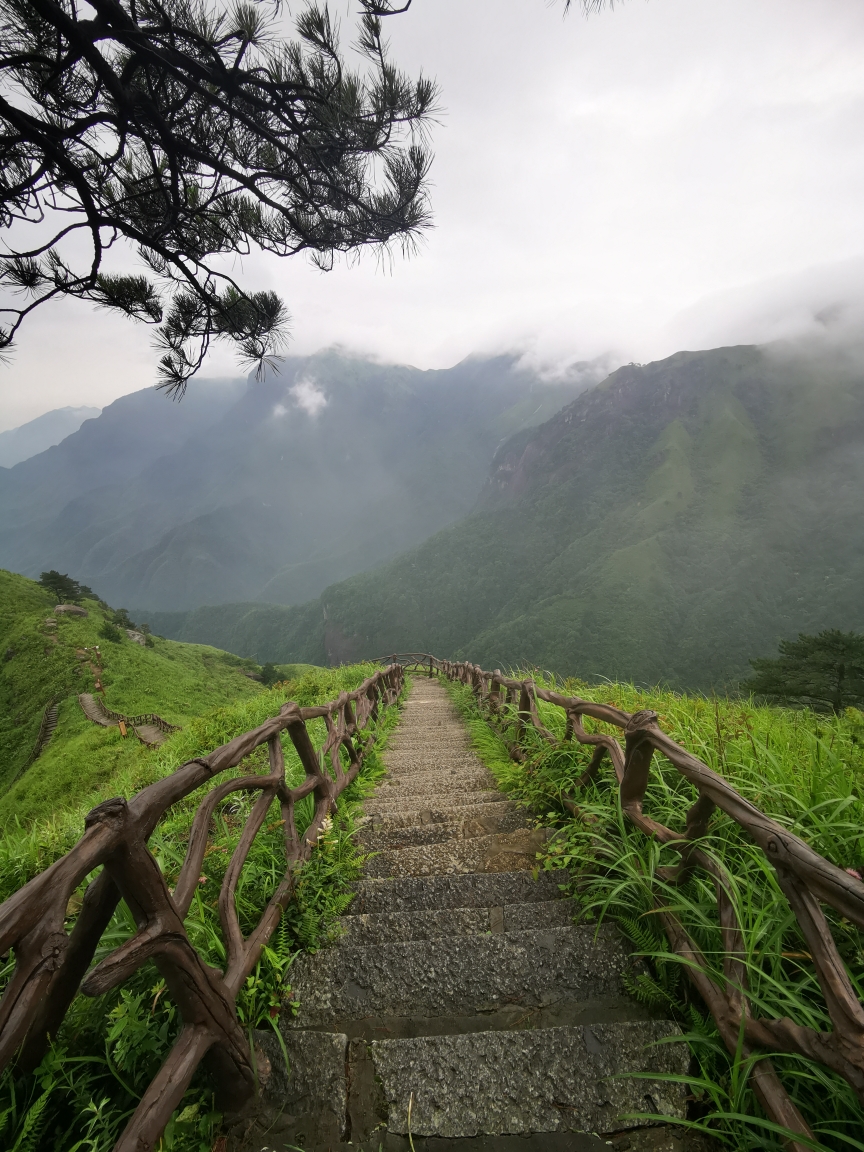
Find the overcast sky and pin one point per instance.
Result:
(670, 174)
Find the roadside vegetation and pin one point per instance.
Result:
(45, 658)
(805, 771)
(110, 1047)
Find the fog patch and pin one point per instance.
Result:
(307, 396)
(818, 306)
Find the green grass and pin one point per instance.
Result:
(177, 681)
(110, 1047)
(803, 770)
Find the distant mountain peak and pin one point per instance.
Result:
(19, 444)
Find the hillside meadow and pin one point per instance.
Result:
(44, 657)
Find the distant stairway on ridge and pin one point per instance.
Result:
(462, 991)
(150, 729)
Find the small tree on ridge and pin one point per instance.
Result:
(822, 672)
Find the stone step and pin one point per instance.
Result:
(541, 1080)
(501, 852)
(438, 799)
(416, 893)
(374, 839)
(370, 928)
(471, 777)
(432, 789)
(456, 975)
(407, 763)
(381, 822)
(504, 1085)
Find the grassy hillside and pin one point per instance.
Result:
(111, 1046)
(667, 526)
(41, 662)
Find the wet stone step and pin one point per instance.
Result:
(438, 815)
(425, 801)
(460, 975)
(414, 893)
(383, 927)
(375, 840)
(500, 852)
(544, 1080)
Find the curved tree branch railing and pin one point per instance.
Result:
(50, 964)
(806, 879)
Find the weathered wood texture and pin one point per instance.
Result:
(807, 879)
(50, 964)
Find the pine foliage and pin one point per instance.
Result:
(195, 131)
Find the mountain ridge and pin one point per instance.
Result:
(667, 525)
(269, 490)
(43, 432)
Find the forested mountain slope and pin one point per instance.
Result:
(269, 491)
(669, 524)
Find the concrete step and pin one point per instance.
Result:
(415, 893)
(374, 839)
(380, 822)
(543, 1080)
(456, 975)
(471, 778)
(438, 800)
(366, 929)
(501, 852)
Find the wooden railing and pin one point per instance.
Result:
(50, 964)
(143, 718)
(46, 730)
(807, 879)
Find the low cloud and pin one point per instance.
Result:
(822, 305)
(307, 396)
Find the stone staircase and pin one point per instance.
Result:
(461, 991)
(150, 729)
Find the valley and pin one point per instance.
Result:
(668, 525)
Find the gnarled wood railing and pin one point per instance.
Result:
(51, 964)
(807, 879)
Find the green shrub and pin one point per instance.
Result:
(110, 632)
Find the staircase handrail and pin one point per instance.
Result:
(51, 964)
(806, 878)
(39, 746)
(143, 718)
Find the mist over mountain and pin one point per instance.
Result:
(667, 525)
(17, 444)
(266, 490)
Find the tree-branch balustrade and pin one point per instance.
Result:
(51, 965)
(806, 878)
